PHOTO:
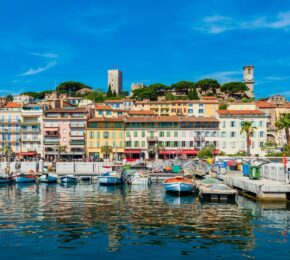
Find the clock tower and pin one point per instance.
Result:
(249, 79)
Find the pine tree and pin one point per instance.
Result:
(109, 93)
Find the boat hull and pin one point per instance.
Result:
(25, 179)
(68, 179)
(4, 180)
(140, 181)
(48, 178)
(110, 180)
(178, 187)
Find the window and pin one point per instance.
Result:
(183, 134)
(261, 134)
(106, 135)
(135, 134)
(120, 135)
(233, 124)
(167, 134)
(183, 144)
(233, 145)
(113, 135)
(114, 144)
(223, 144)
(175, 134)
(200, 111)
(143, 133)
(161, 134)
(97, 144)
(233, 134)
(224, 124)
(136, 144)
(261, 144)
(143, 143)
(127, 134)
(223, 134)
(91, 134)
(120, 144)
(261, 124)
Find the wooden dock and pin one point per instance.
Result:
(264, 189)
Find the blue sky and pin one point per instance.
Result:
(44, 42)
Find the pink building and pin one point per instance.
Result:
(63, 131)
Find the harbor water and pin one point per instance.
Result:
(40, 221)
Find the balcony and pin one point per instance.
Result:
(51, 134)
(77, 142)
(31, 140)
(30, 130)
(77, 125)
(152, 138)
(51, 141)
(199, 139)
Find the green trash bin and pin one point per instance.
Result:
(176, 168)
(127, 167)
(255, 172)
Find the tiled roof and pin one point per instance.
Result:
(240, 112)
(265, 104)
(13, 105)
(171, 119)
(103, 107)
(140, 112)
(63, 110)
(108, 119)
(113, 101)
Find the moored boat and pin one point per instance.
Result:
(179, 185)
(111, 178)
(5, 180)
(138, 178)
(68, 179)
(48, 178)
(24, 178)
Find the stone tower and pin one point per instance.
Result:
(249, 79)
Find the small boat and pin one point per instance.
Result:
(48, 178)
(138, 178)
(5, 180)
(111, 178)
(68, 179)
(24, 178)
(179, 185)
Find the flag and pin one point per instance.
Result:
(284, 160)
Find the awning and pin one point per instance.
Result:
(184, 151)
(133, 151)
(28, 153)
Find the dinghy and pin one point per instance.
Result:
(179, 185)
(48, 178)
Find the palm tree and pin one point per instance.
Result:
(248, 128)
(6, 150)
(284, 123)
(61, 149)
(106, 150)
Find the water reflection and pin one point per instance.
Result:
(137, 217)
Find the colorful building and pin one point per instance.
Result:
(64, 132)
(105, 133)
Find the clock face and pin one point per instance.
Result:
(249, 77)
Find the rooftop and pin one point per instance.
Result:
(240, 112)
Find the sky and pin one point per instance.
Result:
(46, 42)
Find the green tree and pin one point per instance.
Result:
(223, 106)
(96, 96)
(206, 85)
(183, 87)
(192, 94)
(9, 98)
(205, 152)
(107, 150)
(70, 87)
(170, 96)
(109, 93)
(6, 151)
(248, 129)
(61, 149)
(114, 94)
(232, 88)
(284, 123)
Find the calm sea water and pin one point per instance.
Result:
(92, 222)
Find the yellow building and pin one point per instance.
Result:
(105, 138)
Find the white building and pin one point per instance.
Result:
(169, 136)
(31, 131)
(23, 99)
(232, 141)
(115, 81)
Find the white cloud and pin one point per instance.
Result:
(32, 71)
(218, 24)
(45, 55)
(224, 76)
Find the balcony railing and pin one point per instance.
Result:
(77, 142)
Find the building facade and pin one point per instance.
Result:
(31, 131)
(64, 132)
(103, 134)
(232, 141)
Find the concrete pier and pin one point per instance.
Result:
(264, 189)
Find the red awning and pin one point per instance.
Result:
(28, 153)
(133, 151)
(184, 151)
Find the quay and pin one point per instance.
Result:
(263, 189)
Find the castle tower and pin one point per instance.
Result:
(248, 72)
